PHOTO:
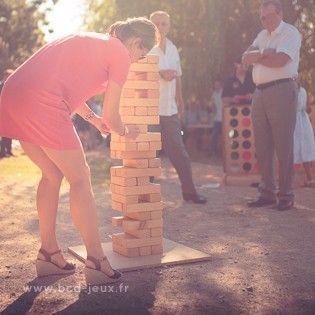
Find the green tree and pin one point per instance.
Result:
(20, 30)
(211, 34)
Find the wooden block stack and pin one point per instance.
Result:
(133, 195)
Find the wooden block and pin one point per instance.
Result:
(142, 181)
(138, 215)
(122, 181)
(149, 59)
(128, 252)
(117, 221)
(155, 145)
(156, 232)
(117, 206)
(135, 102)
(154, 162)
(149, 198)
(136, 163)
(155, 215)
(128, 241)
(143, 146)
(127, 111)
(135, 190)
(137, 225)
(135, 172)
(135, 154)
(123, 146)
(153, 76)
(145, 206)
(144, 233)
(144, 67)
(142, 85)
(125, 199)
(145, 251)
(143, 137)
(141, 120)
(141, 111)
(139, 75)
(153, 93)
(153, 111)
(157, 249)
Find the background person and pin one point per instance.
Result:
(172, 106)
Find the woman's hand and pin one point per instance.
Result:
(132, 131)
(99, 124)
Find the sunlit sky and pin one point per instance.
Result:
(65, 18)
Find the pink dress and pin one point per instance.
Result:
(38, 98)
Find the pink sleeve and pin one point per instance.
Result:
(119, 62)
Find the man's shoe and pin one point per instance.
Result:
(284, 205)
(195, 198)
(260, 202)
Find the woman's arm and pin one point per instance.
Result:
(111, 117)
(86, 113)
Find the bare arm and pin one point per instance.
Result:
(111, 115)
(86, 113)
(274, 60)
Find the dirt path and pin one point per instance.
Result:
(263, 261)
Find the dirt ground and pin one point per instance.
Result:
(262, 261)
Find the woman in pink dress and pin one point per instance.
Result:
(35, 107)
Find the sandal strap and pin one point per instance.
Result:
(97, 262)
(48, 255)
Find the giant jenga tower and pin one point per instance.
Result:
(133, 194)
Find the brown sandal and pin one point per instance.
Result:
(95, 276)
(48, 268)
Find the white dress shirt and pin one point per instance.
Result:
(286, 39)
(168, 60)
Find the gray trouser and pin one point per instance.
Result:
(274, 116)
(174, 148)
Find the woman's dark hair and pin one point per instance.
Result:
(135, 27)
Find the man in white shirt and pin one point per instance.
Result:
(216, 99)
(172, 105)
(274, 55)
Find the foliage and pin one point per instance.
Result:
(20, 31)
(211, 34)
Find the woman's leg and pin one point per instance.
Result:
(47, 199)
(73, 165)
